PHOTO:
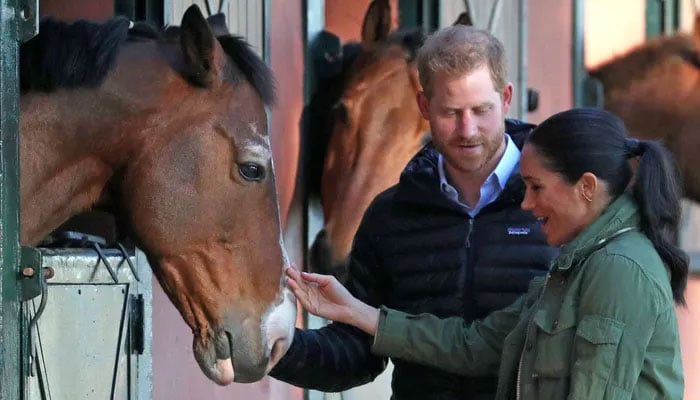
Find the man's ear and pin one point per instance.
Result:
(507, 96)
(422, 101)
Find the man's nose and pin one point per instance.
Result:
(468, 125)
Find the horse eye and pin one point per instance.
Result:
(251, 172)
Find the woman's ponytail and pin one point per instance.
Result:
(657, 190)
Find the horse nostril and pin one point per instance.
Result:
(230, 344)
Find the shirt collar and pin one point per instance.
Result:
(509, 162)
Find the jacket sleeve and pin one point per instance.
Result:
(338, 357)
(620, 308)
(451, 344)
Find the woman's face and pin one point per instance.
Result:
(559, 205)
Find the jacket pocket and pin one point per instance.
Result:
(597, 341)
(596, 344)
(555, 340)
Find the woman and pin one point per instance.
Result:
(602, 324)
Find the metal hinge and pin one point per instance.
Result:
(27, 19)
(136, 324)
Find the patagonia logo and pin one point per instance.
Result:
(518, 231)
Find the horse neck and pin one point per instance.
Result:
(68, 153)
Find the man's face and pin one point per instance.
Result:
(466, 119)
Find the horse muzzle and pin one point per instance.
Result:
(245, 349)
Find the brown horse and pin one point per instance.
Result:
(172, 136)
(376, 128)
(655, 89)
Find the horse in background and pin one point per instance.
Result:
(367, 121)
(655, 89)
(170, 134)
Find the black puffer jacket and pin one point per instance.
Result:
(417, 251)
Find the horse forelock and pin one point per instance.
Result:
(410, 41)
(397, 46)
(622, 71)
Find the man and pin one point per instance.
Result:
(450, 238)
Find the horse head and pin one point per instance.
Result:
(376, 128)
(655, 89)
(173, 133)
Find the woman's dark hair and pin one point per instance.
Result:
(577, 141)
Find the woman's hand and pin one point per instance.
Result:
(324, 296)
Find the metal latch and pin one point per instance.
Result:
(32, 284)
(32, 275)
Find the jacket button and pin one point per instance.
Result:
(555, 324)
(529, 346)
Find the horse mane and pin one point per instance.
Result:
(317, 116)
(70, 55)
(250, 66)
(80, 54)
(635, 64)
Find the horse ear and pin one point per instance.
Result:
(377, 23)
(217, 22)
(464, 19)
(204, 57)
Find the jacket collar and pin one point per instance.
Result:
(621, 216)
(420, 180)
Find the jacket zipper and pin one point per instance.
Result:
(527, 336)
(469, 232)
(468, 290)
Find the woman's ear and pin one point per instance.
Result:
(588, 186)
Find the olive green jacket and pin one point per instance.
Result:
(601, 325)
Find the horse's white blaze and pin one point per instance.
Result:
(279, 322)
(253, 152)
(253, 128)
(278, 327)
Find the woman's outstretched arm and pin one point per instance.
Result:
(451, 344)
(324, 296)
